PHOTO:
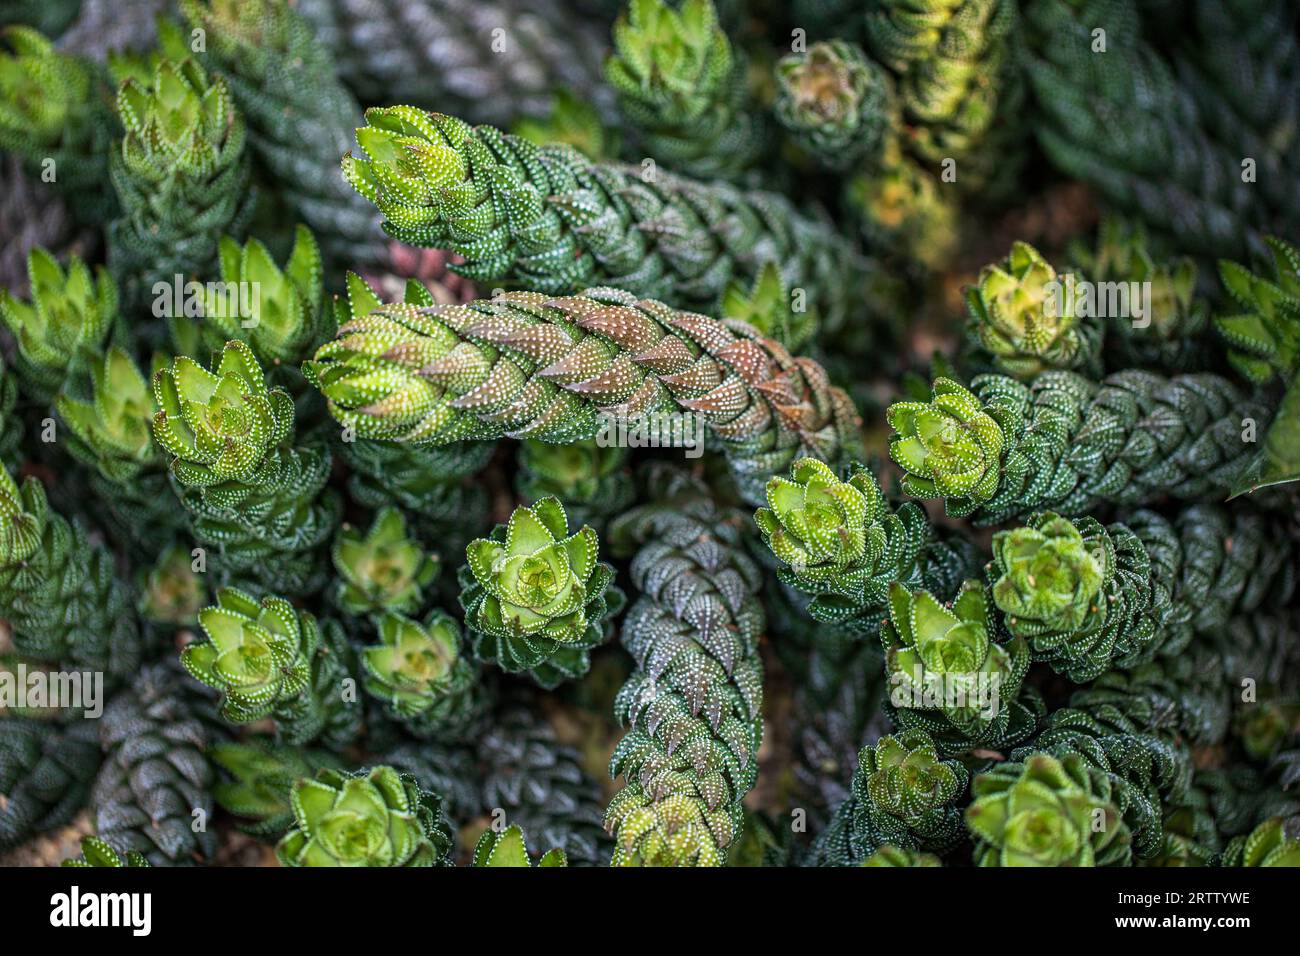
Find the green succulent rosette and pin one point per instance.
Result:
(417, 670)
(1046, 812)
(949, 447)
(836, 102)
(374, 817)
(257, 780)
(60, 333)
(383, 571)
(219, 425)
(906, 794)
(591, 479)
(1022, 313)
(257, 653)
(536, 598)
(950, 676)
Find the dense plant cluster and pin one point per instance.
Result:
(650, 433)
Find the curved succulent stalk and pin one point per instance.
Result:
(1046, 812)
(58, 592)
(536, 598)
(155, 781)
(382, 571)
(298, 114)
(1088, 598)
(180, 174)
(269, 660)
(46, 772)
(589, 478)
(1023, 314)
(835, 102)
(958, 81)
(562, 370)
(840, 542)
(54, 113)
(257, 501)
(681, 86)
(374, 817)
(952, 674)
(61, 332)
(551, 220)
(417, 670)
(693, 703)
(1005, 450)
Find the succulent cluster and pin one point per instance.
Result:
(497, 433)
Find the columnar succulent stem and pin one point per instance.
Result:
(561, 369)
(693, 703)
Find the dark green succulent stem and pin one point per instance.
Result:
(1003, 450)
(59, 592)
(299, 115)
(600, 365)
(256, 498)
(682, 88)
(156, 783)
(1088, 598)
(181, 177)
(47, 768)
(1168, 163)
(551, 220)
(693, 704)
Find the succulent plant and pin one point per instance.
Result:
(1024, 314)
(417, 670)
(536, 598)
(906, 795)
(172, 592)
(892, 856)
(509, 848)
(95, 852)
(1046, 812)
(384, 571)
(835, 101)
(376, 817)
(256, 780)
(1267, 845)
(949, 676)
(62, 329)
